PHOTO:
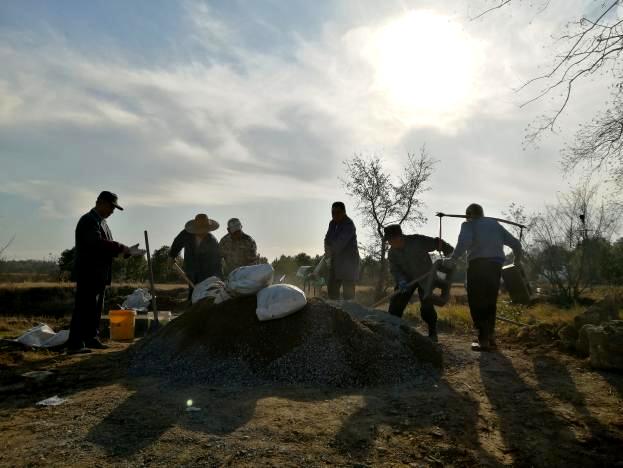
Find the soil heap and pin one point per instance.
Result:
(320, 344)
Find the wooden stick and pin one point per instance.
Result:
(441, 215)
(392, 295)
(504, 319)
(151, 282)
(183, 275)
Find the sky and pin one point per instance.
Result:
(249, 109)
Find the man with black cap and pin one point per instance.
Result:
(483, 239)
(409, 259)
(95, 250)
(237, 247)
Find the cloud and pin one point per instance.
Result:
(236, 122)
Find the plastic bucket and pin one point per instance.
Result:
(122, 324)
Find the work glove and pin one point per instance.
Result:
(403, 286)
(134, 251)
(449, 263)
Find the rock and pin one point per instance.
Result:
(606, 345)
(581, 345)
(568, 335)
(602, 311)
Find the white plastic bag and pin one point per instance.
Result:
(278, 301)
(250, 279)
(210, 287)
(42, 336)
(138, 300)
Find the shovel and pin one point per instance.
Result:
(155, 324)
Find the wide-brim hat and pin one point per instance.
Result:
(201, 225)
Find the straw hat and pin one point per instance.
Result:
(201, 225)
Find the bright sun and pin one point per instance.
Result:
(425, 65)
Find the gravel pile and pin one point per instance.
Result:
(321, 344)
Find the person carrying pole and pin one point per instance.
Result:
(483, 239)
(409, 259)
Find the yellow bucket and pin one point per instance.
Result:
(122, 324)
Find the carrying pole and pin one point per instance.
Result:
(500, 220)
(155, 323)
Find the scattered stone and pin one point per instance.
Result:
(581, 345)
(602, 311)
(568, 337)
(606, 345)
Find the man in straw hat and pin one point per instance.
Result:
(202, 258)
(237, 247)
(95, 250)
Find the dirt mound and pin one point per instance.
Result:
(320, 344)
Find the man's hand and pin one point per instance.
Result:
(403, 286)
(134, 251)
(449, 263)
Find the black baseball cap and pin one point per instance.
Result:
(391, 231)
(109, 197)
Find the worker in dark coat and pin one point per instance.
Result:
(202, 257)
(95, 250)
(409, 260)
(483, 239)
(342, 253)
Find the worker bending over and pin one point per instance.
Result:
(409, 260)
(237, 247)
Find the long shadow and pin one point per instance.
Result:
(554, 377)
(451, 416)
(615, 379)
(534, 435)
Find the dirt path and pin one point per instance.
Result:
(527, 408)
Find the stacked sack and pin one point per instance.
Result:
(274, 301)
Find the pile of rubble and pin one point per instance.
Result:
(321, 344)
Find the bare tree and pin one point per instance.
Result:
(381, 200)
(590, 46)
(563, 237)
(6, 246)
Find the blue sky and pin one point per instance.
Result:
(247, 109)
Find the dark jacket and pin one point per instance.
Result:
(200, 262)
(413, 260)
(95, 250)
(341, 242)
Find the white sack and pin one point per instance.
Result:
(278, 301)
(42, 336)
(138, 300)
(250, 279)
(210, 287)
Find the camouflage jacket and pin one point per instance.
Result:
(237, 253)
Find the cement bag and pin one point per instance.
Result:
(212, 287)
(42, 336)
(278, 301)
(250, 279)
(138, 300)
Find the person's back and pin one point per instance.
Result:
(485, 238)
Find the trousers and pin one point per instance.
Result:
(399, 302)
(483, 285)
(334, 285)
(85, 320)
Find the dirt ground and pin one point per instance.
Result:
(519, 407)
